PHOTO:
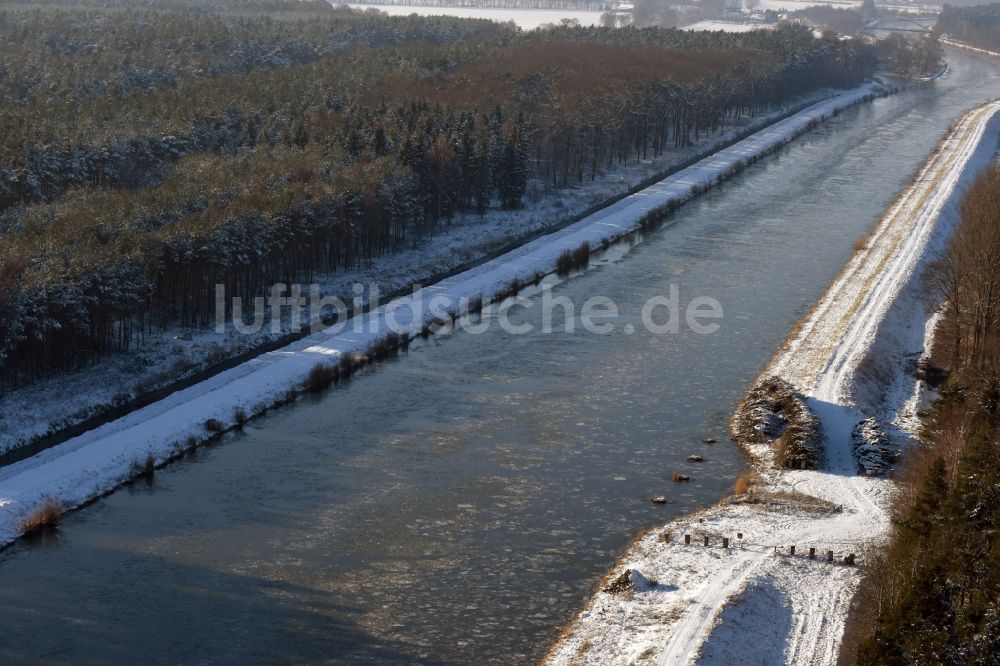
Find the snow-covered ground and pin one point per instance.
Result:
(852, 356)
(792, 5)
(529, 19)
(97, 461)
(727, 26)
(173, 354)
(967, 47)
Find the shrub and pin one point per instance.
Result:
(44, 518)
(348, 362)
(571, 260)
(930, 373)
(581, 255)
(320, 377)
(564, 264)
(240, 417)
(145, 468)
(385, 347)
(214, 426)
(773, 413)
(744, 482)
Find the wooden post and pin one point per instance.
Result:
(829, 556)
(739, 535)
(706, 541)
(791, 550)
(812, 553)
(687, 539)
(725, 542)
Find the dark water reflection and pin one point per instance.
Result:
(457, 505)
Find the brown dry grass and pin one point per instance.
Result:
(745, 481)
(320, 377)
(44, 518)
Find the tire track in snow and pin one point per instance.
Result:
(696, 623)
(851, 308)
(902, 259)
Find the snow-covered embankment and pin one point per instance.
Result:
(852, 358)
(93, 463)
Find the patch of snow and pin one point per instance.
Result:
(764, 613)
(528, 19)
(727, 26)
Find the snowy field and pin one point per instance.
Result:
(756, 602)
(529, 19)
(97, 461)
(727, 26)
(792, 5)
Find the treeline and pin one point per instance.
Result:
(978, 25)
(123, 215)
(933, 596)
(54, 59)
(245, 7)
(911, 57)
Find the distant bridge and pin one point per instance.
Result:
(897, 24)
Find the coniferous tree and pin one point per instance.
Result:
(512, 172)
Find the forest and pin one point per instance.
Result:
(147, 155)
(977, 26)
(933, 595)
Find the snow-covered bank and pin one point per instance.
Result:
(967, 47)
(852, 357)
(97, 461)
(171, 358)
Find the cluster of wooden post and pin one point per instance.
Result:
(850, 558)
